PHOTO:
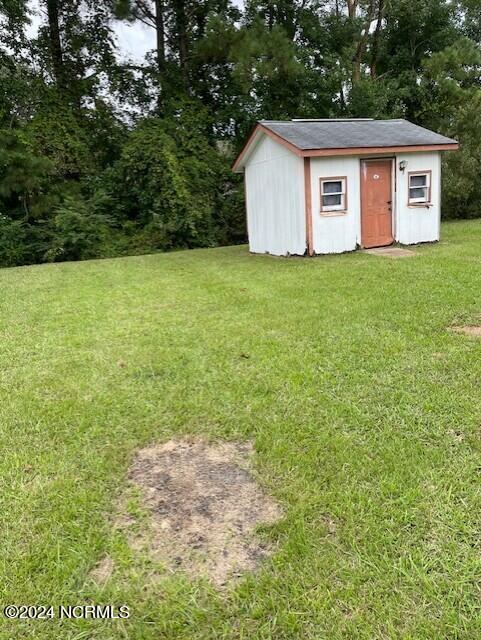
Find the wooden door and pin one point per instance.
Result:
(376, 203)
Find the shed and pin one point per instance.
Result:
(329, 186)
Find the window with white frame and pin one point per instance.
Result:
(333, 194)
(419, 187)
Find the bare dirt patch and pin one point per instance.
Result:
(204, 506)
(101, 573)
(391, 252)
(468, 330)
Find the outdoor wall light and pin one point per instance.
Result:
(402, 165)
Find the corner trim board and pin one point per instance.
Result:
(308, 205)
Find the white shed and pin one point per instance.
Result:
(328, 186)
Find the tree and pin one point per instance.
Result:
(167, 181)
(142, 148)
(152, 14)
(451, 83)
(74, 49)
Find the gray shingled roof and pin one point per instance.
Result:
(339, 134)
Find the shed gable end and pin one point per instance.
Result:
(274, 181)
(265, 150)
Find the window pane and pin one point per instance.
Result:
(418, 181)
(331, 201)
(332, 187)
(417, 193)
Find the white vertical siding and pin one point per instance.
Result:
(276, 205)
(418, 224)
(275, 200)
(336, 233)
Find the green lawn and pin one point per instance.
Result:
(365, 412)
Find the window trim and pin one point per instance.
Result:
(413, 202)
(328, 211)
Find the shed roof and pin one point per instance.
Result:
(348, 136)
(337, 134)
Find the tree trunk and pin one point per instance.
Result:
(375, 42)
(182, 40)
(160, 34)
(55, 43)
(270, 17)
(342, 99)
(361, 45)
(351, 8)
(290, 20)
(160, 55)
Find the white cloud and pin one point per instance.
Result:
(134, 39)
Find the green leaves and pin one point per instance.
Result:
(146, 144)
(77, 231)
(167, 180)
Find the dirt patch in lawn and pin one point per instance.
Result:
(468, 330)
(101, 573)
(391, 252)
(204, 505)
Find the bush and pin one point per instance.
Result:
(77, 232)
(170, 188)
(461, 185)
(170, 182)
(156, 189)
(14, 245)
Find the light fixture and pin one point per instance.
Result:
(402, 165)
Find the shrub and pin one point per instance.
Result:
(77, 232)
(14, 245)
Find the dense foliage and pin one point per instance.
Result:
(102, 156)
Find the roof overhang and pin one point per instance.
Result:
(260, 130)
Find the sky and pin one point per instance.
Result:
(134, 39)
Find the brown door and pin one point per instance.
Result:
(376, 203)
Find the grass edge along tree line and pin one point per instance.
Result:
(101, 155)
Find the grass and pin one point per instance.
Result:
(364, 409)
